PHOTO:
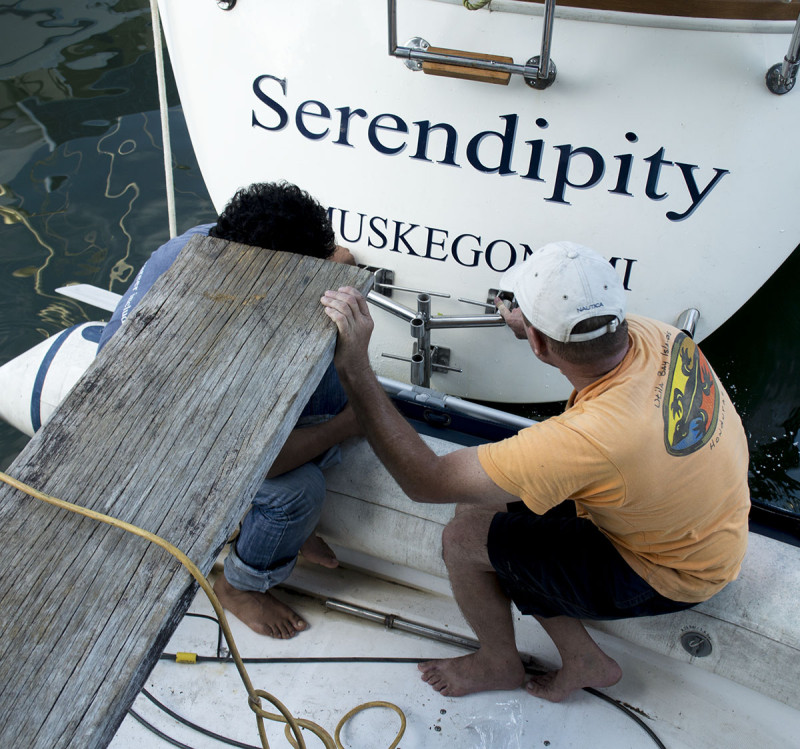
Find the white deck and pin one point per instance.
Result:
(686, 707)
(715, 702)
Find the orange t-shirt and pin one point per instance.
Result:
(654, 454)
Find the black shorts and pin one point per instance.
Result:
(558, 564)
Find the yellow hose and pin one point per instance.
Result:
(254, 696)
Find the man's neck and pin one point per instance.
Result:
(583, 375)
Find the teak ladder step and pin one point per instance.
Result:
(172, 429)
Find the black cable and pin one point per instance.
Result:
(195, 727)
(309, 659)
(161, 735)
(217, 659)
(203, 616)
(220, 658)
(632, 715)
(211, 619)
(534, 671)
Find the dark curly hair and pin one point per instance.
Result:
(277, 216)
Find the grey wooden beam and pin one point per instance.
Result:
(172, 428)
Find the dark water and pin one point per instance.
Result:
(82, 193)
(82, 199)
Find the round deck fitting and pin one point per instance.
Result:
(779, 84)
(696, 644)
(534, 80)
(419, 44)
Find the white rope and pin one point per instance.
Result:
(162, 104)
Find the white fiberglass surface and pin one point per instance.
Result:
(660, 148)
(684, 707)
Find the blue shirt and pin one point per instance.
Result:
(328, 399)
(158, 263)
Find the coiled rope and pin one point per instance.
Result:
(254, 696)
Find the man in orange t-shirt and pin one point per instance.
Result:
(634, 500)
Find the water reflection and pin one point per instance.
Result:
(82, 194)
(774, 476)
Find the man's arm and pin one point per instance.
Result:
(421, 474)
(306, 443)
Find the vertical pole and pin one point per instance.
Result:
(392, 10)
(547, 38)
(163, 109)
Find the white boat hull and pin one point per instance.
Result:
(659, 147)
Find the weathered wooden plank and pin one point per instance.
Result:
(172, 429)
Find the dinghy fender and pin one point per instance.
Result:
(35, 382)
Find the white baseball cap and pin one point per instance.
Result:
(562, 284)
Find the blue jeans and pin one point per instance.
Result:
(286, 509)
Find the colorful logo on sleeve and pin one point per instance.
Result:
(691, 407)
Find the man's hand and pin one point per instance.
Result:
(421, 474)
(349, 310)
(513, 318)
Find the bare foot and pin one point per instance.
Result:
(317, 551)
(262, 612)
(477, 672)
(589, 672)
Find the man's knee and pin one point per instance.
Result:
(465, 536)
(293, 495)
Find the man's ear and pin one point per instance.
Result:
(537, 341)
(342, 255)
